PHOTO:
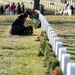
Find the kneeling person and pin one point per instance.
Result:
(18, 27)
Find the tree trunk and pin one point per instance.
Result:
(64, 1)
(36, 4)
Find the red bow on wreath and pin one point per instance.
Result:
(34, 14)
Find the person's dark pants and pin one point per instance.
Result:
(21, 30)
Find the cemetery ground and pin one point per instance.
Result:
(19, 54)
(64, 27)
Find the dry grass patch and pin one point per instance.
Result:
(19, 54)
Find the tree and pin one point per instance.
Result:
(36, 4)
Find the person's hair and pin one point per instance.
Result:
(28, 12)
(13, 3)
(18, 3)
(24, 15)
(22, 3)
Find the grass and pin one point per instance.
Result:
(19, 54)
(64, 26)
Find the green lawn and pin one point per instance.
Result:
(19, 54)
(64, 26)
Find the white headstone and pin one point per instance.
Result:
(65, 60)
(49, 29)
(47, 26)
(61, 51)
(55, 39)
(42, 23)
(71, 69)
(58, 45)
(50, 40)
(53, 35)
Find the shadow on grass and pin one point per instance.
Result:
(60, 22)
(49, 12)
(73, 58)
(29, 35)
(72, 53)
(15, 47)
(66, 35)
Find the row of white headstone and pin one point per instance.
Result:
(67, 67)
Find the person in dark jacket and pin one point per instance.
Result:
(18, 27)
(19, 8)
(41, 8)
(2, 9)
(72, 9)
